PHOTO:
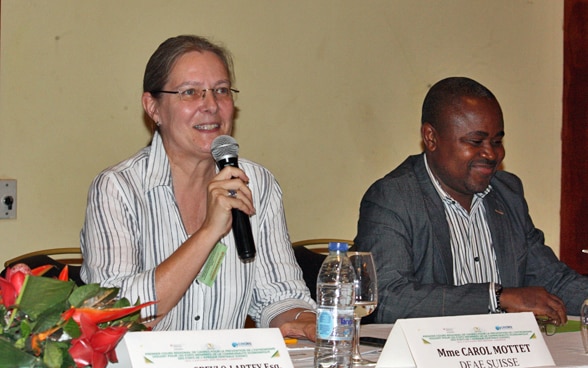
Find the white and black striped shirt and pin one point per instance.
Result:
(133, 224)
(474, 258)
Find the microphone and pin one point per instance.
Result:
(225, 152)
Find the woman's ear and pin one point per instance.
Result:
(150, 105)
(429, 137)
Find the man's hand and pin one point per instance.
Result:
(534, 299)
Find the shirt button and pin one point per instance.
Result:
(197, 318)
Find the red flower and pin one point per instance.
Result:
(97, 316)
(105, 340)
(64, 274)
(83, 355)
(95, 347)
(101, 326)
(9, 292)
(15, 276)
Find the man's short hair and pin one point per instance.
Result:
(448, 92)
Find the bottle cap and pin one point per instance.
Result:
(337, 246)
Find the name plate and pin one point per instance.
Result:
(472, 341)
(242, 348)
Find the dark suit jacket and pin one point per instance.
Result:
(402, 221)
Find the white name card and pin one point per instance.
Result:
(473, 341)
(243, 348)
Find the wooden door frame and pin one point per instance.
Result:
(574, 175)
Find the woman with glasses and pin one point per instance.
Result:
(158, 225)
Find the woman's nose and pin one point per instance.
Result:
(209, 101)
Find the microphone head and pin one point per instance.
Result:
(224, 146)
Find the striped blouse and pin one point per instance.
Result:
(133, 224)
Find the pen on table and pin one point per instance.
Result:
(290, 341)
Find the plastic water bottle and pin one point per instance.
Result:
(335, 299)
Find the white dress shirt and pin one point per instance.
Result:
(474, 258)
(133, 224)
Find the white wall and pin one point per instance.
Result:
(330, 101)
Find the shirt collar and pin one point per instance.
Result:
(158, 168)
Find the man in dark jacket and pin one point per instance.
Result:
(450, 233)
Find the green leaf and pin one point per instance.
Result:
(91, 295)
(49, 318)
(12, 357)
(25, 328)
(53, 355)
(72, 329)
(3, 322)
(25, 332)
(39, 294)
(80, 294)
(122, 303)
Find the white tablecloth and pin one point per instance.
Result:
(566, 348)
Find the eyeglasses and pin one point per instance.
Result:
(194, 94)
(546, 326)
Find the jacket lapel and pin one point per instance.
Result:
(496, 212)
(436, 213)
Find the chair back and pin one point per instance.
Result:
(320, 245)
(70, 256)
(58, 257)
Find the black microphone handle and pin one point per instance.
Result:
(243, 235)
(241, 224)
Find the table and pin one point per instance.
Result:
(565, 348)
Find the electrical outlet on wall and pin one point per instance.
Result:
(7, 198)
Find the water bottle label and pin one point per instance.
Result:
(335, 324)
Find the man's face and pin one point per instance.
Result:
(465, 149)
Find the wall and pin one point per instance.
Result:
(330, 101)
